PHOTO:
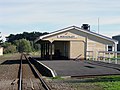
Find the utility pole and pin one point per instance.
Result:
(98, 25)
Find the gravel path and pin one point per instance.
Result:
(9, 71)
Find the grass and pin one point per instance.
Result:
(35, 53)
(110, 85)
(10, 56)
(104, 82)
(16, 55)
(97, 83)
(110, 82)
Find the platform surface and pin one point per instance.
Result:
(81, 68)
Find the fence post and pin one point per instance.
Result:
(89, 55)
(103, 56)
(109, 58)
(93, 56)
(98, 56)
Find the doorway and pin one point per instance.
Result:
(61, 50)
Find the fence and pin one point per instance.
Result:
(109, 56)
(90, 55)
(105, 56)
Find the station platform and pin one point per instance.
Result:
(81, 67)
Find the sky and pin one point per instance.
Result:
(17, 16)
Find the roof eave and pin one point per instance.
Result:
(52, 33)
(93, 33)
(77, 28)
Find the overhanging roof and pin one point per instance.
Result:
(77, 28)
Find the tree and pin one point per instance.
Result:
(6, 44)
(23, 45)
(14, 39)
(9, 48)
(25, 35)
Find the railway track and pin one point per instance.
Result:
(29, 77)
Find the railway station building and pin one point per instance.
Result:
(74, 43)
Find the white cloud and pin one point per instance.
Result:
(33, 11)
(63, 12)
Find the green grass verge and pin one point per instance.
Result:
(115, 85)
(97, 83)
(105, 82)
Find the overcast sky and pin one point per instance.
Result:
(17, 16)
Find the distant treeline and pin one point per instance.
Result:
(22, 42)
(25, 35)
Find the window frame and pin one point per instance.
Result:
(112, 48)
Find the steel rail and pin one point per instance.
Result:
(20, 74)
(44, 84)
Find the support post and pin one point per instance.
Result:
(41, 50)
(51, 51)
(45, 48)
(48, 49)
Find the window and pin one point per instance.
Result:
(110, 48)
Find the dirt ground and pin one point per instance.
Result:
(9, 67)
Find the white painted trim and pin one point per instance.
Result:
(56, 32)
(110, 45)
(52, 72)
(115, 47)
(77, 28)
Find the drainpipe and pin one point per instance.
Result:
(115, 46)
(115, 51)
(86, 40)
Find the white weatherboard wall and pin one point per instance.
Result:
(77, 48)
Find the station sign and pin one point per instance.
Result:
(66, 37)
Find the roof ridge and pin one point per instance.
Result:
(80, 29)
